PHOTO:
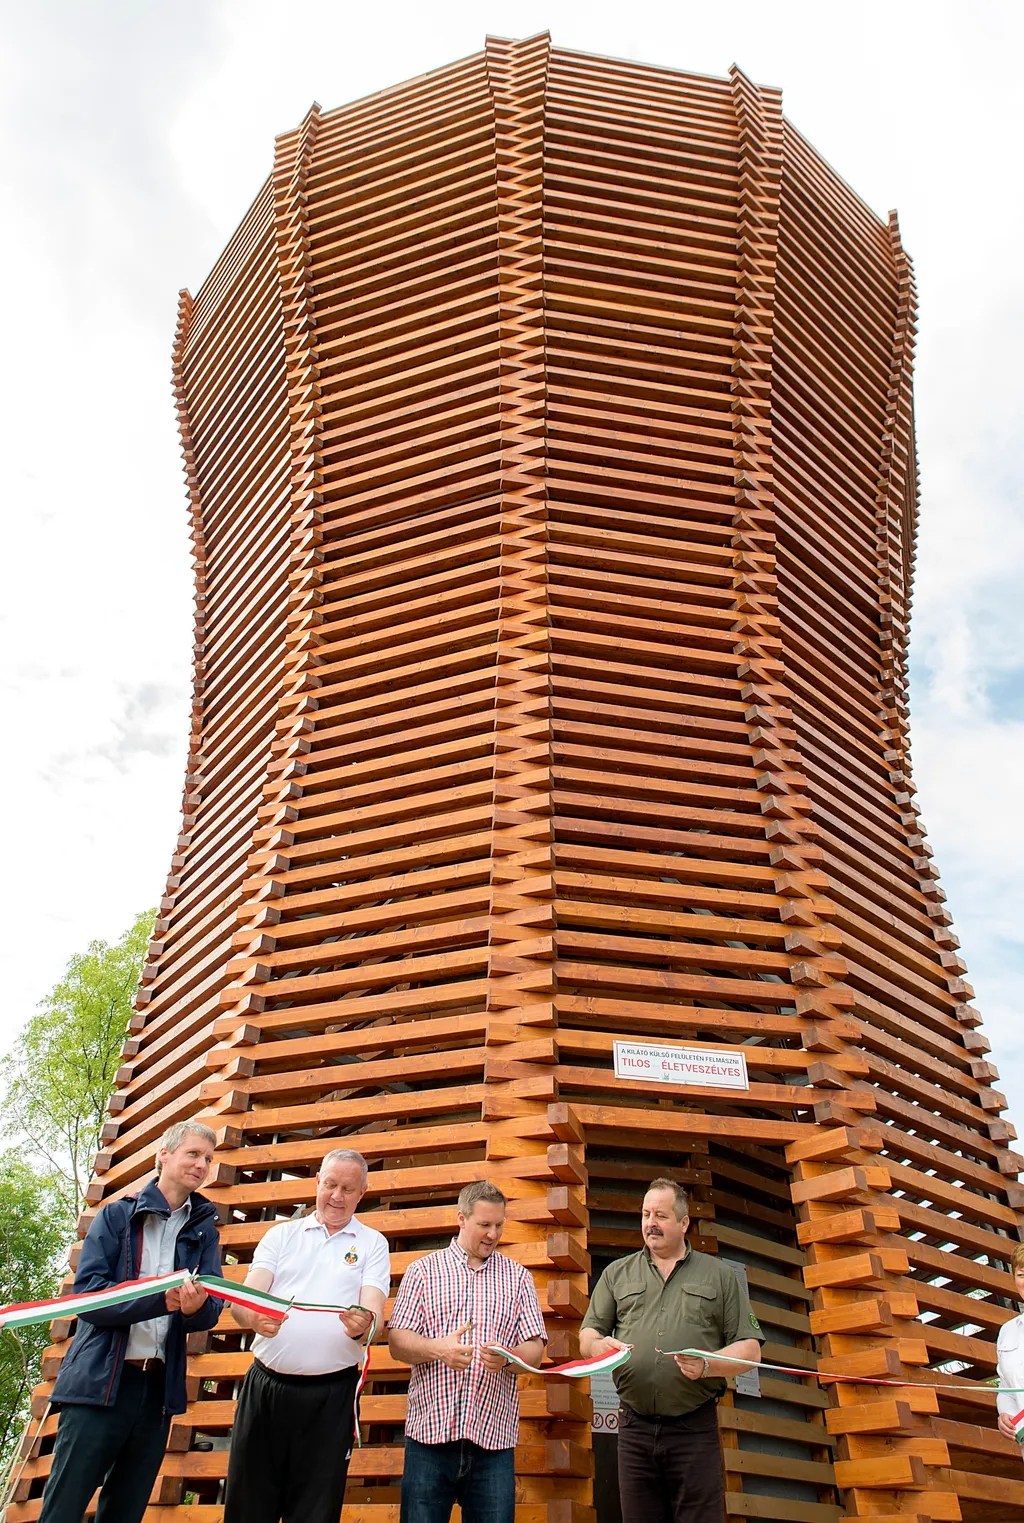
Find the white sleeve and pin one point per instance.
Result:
(268, 1249)
(377, 1269)
(1010, 1366)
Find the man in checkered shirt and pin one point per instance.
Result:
(454, 1309)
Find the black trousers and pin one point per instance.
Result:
(670, 1468)
(290, 1447)
(119, 1447)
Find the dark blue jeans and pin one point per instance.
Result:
(118, 1447)
(436, 1476)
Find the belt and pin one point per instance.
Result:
(153, 1363)
(693, 1418)
(329, 1377)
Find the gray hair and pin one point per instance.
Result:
(345, 1155)
(480, 1189)
(175, 1135)
(682, 1201)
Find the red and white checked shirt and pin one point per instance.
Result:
(439, 1294)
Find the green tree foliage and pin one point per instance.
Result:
(33, 1249)
(58, 1079)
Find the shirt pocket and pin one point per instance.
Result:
(702, 1306)
(629, 1308)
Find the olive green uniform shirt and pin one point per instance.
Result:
(700, 1305)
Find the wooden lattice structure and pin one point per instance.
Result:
(549, 442)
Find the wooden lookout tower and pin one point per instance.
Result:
(548, 434)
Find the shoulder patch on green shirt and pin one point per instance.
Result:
(754, 1322)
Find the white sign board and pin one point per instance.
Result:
(606, 1403)
(657, 1064)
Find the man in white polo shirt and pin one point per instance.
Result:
(294, 1423)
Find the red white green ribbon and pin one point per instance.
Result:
(261, 1301)
(859, 1380)
(573, 1367)
(25, 1313)
(363, 1374)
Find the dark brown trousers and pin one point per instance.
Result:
(670, 1468)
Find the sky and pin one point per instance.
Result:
(136, 133)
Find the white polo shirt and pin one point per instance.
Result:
(311, 1264)
(1010, 1365)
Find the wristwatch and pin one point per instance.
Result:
(706, 1371)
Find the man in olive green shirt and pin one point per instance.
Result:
(670, 1296)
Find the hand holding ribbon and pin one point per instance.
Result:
(356, 1321)
(1011, 1425)
(573, 1367)
(187, 1298)
(452, 1351)
(268, 1324)
(691, 1365)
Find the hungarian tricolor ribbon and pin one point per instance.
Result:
(859, 1380)
(572, 1368)
(1018, 1426)
(363, 1374)
(25, 1313)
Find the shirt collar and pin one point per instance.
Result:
(154, 1201)
(684, 1260)
(463, 1257)
(313, 1221)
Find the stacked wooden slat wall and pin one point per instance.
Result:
(894, 1252)
(670, 890)
(229, 379)
(549, 443)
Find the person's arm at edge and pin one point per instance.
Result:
(373, 1293)
(1007, 1405)
(371, 1299)
(410, 1347)
(404, 1342)
(744, 1351)
(530, 1351)
(533, 1338)
(596, 1340)
(594, 1345)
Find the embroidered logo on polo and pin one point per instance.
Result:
(351, 1257)
(754, 1322)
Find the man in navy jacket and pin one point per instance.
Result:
(124, 1374)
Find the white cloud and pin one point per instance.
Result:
(137, 135)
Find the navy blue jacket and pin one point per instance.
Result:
(112, 1252)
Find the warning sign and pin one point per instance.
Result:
(606, 1403)
(655, 1064)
